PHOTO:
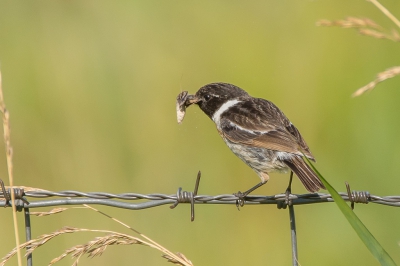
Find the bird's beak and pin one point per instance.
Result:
(191, 99)
(184, 99)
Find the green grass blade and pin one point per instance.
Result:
(365, 235)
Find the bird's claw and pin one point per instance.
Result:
(241, 198)
(288, 201)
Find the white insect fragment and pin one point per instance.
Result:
(180, 106)
(180, 112)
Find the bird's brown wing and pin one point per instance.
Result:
(261, 124)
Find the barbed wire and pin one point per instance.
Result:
(72, 197)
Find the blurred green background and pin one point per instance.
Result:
(91, 88)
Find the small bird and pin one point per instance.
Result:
(256, 131)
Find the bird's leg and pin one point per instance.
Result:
(247, 192)
(289, 190)
(241, 195)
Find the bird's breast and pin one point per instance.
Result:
(260, 159)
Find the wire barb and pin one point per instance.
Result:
(6, 196)
(188, 197)
(357, 196)
(19, 193)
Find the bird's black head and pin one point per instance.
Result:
(212, 96)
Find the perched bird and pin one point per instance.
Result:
(256, 131)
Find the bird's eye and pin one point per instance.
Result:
(207, 97)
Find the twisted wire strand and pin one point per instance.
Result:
(157, 199)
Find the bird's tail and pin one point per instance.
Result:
(306, 175)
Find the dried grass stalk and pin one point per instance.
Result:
(97, 246)
(53, 211)
(385, 11)
(364, 26)
(166, 252)
(92, 248)
(387, 74)
(37, 242)
(350, 22)
(395, 35)
(373, 33)
(368, 27)
(9, 155)
(174, 261)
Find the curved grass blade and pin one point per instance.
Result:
(363, 233)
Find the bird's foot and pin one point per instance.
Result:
(288, 201)
(241, 198)
(242, 195)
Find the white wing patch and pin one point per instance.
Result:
(217, 115)
(246, 130)
(283, 155)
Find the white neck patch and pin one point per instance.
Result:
(217, 115)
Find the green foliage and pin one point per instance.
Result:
(363, 233)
